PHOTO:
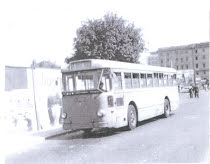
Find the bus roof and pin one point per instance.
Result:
(87, 64)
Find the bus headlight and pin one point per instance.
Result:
(101, 113)
(64, 115)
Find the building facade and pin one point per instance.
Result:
(187, 57)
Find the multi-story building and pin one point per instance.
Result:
(187, 57)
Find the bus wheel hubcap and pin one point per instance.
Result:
(132, 117)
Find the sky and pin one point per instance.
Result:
(45, 29)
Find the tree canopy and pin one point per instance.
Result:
(44, 64)
(111, 38)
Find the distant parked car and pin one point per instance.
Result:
(184, 88)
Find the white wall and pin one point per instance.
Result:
(45, 85)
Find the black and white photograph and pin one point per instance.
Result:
(104, 81)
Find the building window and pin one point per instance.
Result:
(177, 67)
(197, 73)
(196, 65)
(186, 66)
(182, 67)
(176, 59)
(181, 59)
(204, 57)
(196, 51)
(196, 58)
(204, 65)
(203, 50)
(204, 72)
(161, 61)
(186, 58)
(167, 60)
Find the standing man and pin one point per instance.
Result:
(191, 92)
(196, 89)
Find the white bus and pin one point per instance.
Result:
(103, 93)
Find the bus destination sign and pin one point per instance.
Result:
(80, 65)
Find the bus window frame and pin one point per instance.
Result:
(130, 73)
(121, 80)
(150, 73)
(145, 78)
(165, 75)
(105, 82)
(161, 79)
(156, 79)
(137, 73)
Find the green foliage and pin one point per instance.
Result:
(110, 38)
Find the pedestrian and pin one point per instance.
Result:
(196, 90)
(205, 87)
(191, 92)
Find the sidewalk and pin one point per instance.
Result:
(47, 134)
(16, 141)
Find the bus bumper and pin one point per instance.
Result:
(68, 126)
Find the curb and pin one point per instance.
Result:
(57, 134)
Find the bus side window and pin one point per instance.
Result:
(170, 80)
(117, 80)
(149, 80)
(69, 83)
(135, 80)
(156, 81)
(106, 81)
(174, 80)
(143, 81)
(165, 80)
(128, 81)
(161, 83)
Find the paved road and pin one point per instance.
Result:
(181, 138)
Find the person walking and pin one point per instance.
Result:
(205, 87)
(191, 92)
(196, 90)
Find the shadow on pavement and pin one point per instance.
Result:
(100, 133)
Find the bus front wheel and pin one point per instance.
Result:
(167, 109)
(132, 117)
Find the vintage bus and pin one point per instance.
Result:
(110, 94)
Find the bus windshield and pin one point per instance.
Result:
(82, 81)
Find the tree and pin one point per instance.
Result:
(111, 38)
(44, 64)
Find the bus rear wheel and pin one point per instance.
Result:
(132, 117)
(167, 109)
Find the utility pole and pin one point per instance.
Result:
(193, 63)
(34, 95)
